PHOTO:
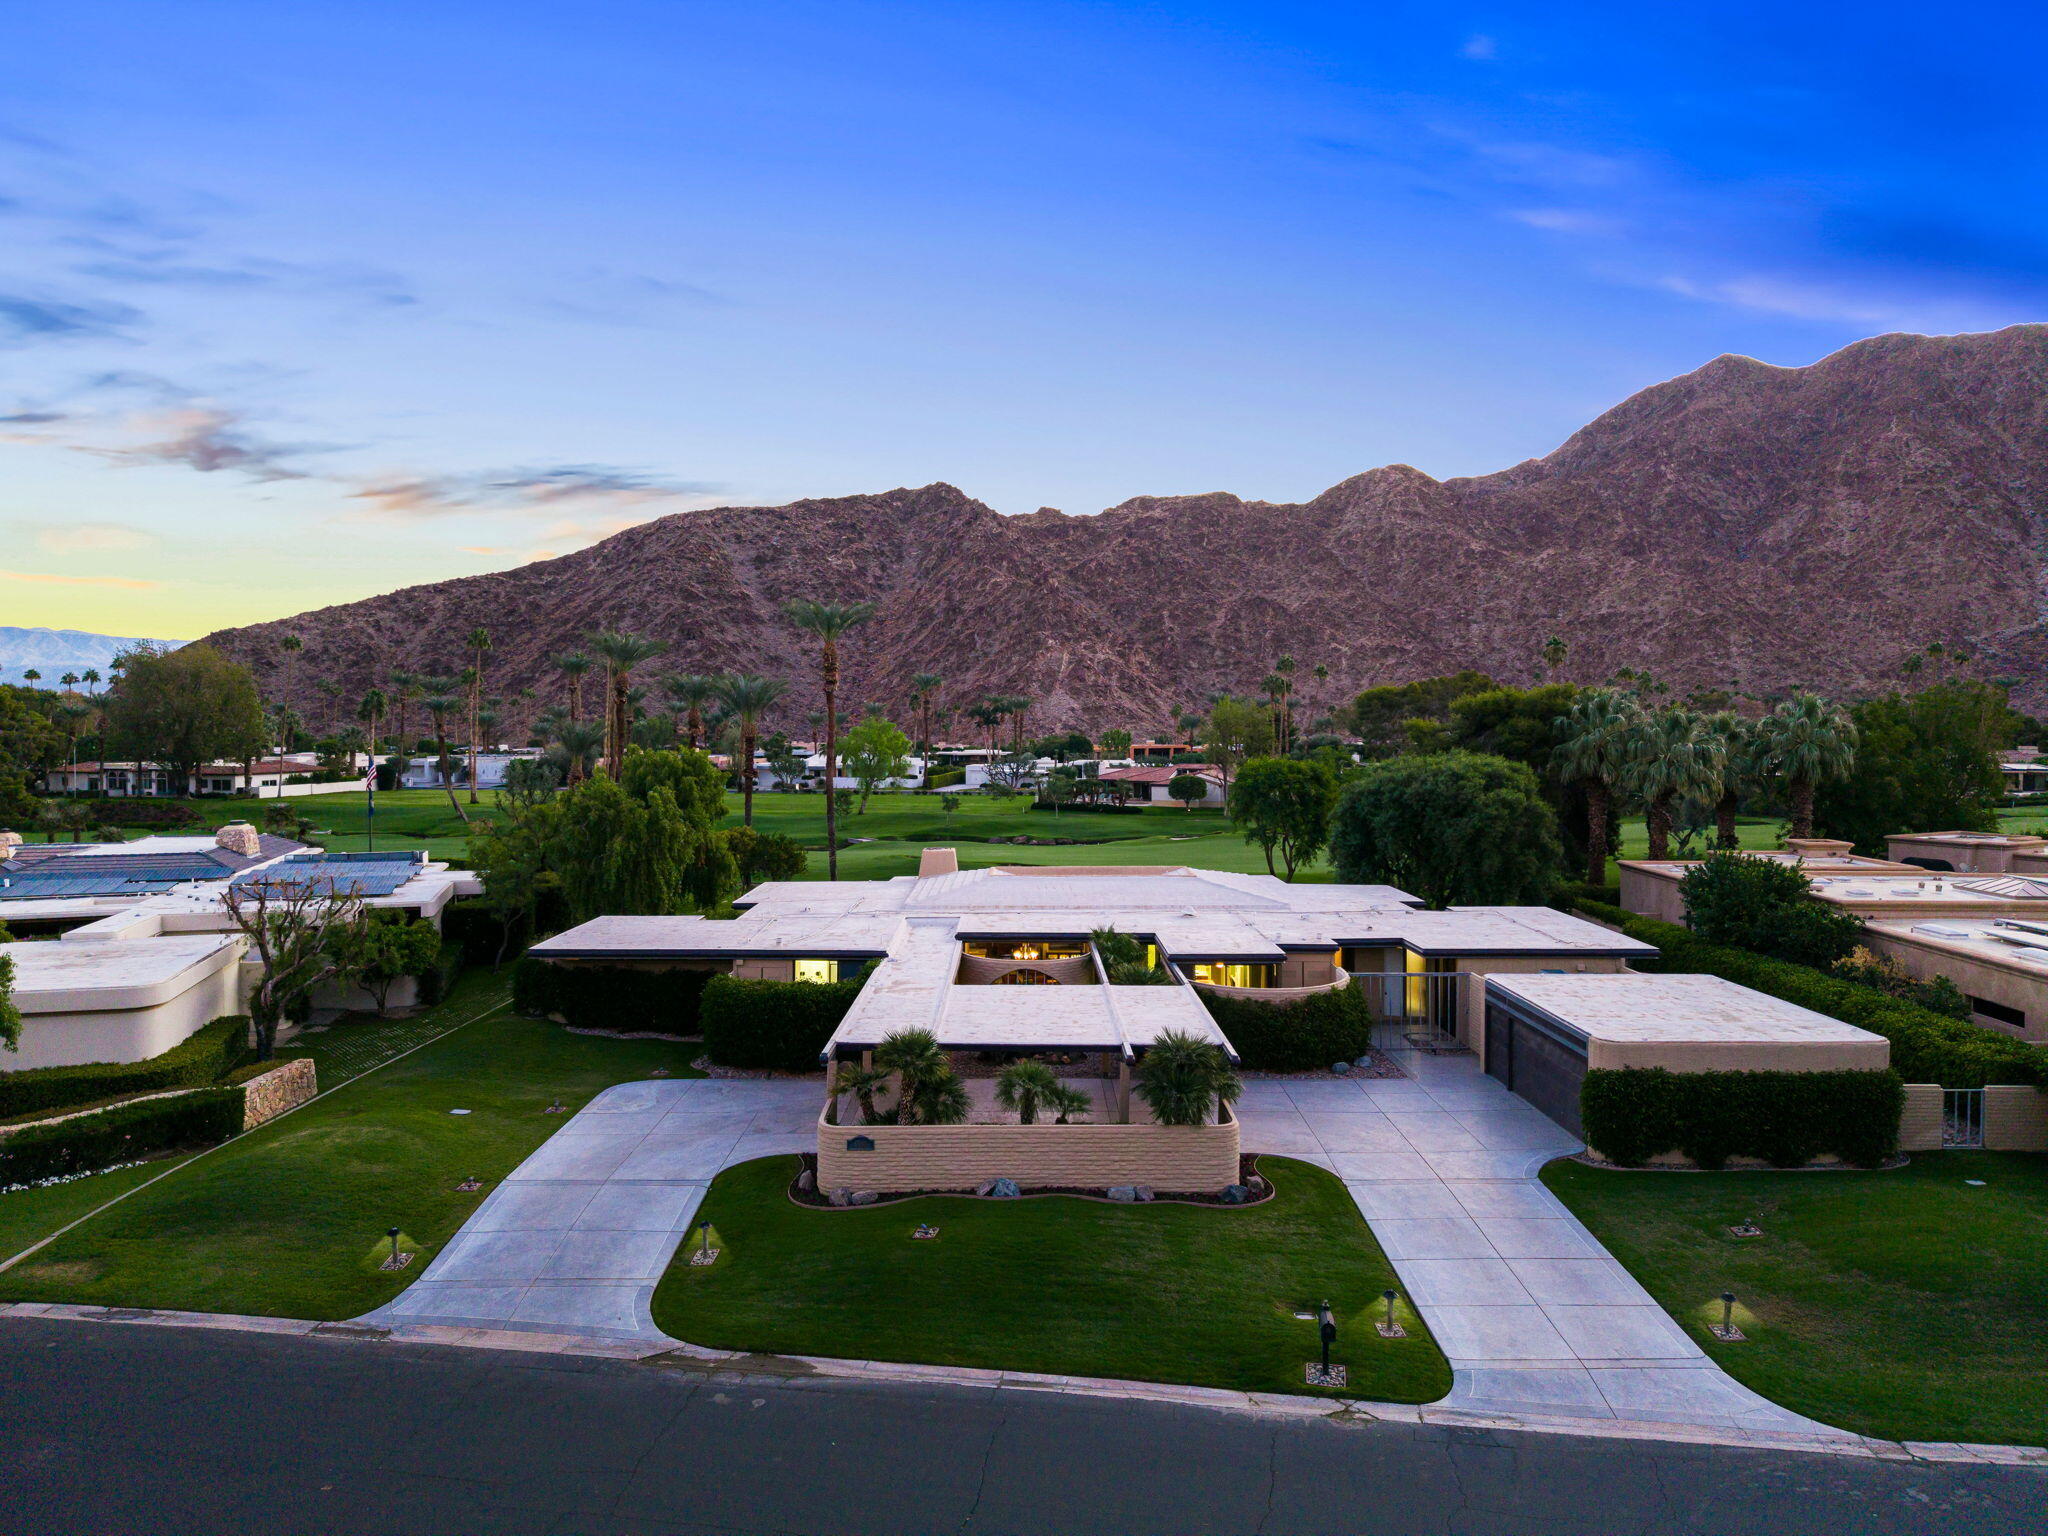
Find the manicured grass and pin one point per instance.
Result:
(279, 1221)
(1180, 1293)
(29, 1215)
(1905, 1304)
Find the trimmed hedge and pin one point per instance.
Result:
(1927, 1047)
(1316, 1032)
(1786, 1118)
(208, 1055)
(123, 1134)
(946, 778)
(780, 1025)
(439, 980)
(609, 997)
(1089, 807)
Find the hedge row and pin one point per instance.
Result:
(123, 1134)
(1786, 1118)
(781, 1025)
(1316, 1032)
(609, 997)
(206, 1056)
(1927, 1047)
(1089, 807)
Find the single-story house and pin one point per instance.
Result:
(119, 1001)
(1150, 782)
(1649, 887)
(1999, 963)
(1972, 853)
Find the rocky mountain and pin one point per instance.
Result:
(1745, 525)
(53, 652)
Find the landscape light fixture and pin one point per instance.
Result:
(393, 1235)
(1326, 1329)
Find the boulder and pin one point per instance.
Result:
(1364, 1061)
(1123, 1193)
(807, 1181)
(1003, 1189)
(841, 1197)
(1236, 1194)
(1144, 1191)
(862, 1197)
(1340, 1067)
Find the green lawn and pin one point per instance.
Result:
(280, 1222)
(1906, 1304)
(1178, 1293)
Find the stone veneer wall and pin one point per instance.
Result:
(1920, 1121)
(1181, 1158)
(1068, 970)
(289, 1085)
(2015, 1118)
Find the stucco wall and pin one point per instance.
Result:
(1976, 978)
(1472, 1008)
(1282, 996)
(1071, 970)
(69, 1039)
(1872, 1055)
(1188, 1158)
(1651, 895)
(1920, 1121)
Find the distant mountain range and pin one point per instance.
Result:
(1744, 525)
(53, 652)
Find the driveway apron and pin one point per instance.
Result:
(1535, 1316)
(578, 1235)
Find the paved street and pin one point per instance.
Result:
(107, 1429)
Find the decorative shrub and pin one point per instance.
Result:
(1323, 1028)
(208, 1055)
(1755, 904)
(1786, 1118)
(439, 979)
(781, 1025)
(946, 778)
(1926, 1047)
(609, 997)
(122, 1134)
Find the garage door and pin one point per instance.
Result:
(1536, 1063)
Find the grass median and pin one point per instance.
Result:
(1201, 1295)
(1911, 1303)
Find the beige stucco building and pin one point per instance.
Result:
(2000, 964)
(118, 1002)
(1972, 853)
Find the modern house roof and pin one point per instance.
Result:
(1632, 1007)
(2016, 944)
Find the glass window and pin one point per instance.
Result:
(817, 970)
(1219, 974)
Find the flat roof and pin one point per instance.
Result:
(1813, 863)
(1632, 1006)
(2014, 944)
(1936, 889)
(1990, 839)
(64, 975)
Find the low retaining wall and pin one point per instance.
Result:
(1920, 1120)
(286, 1086)
(1193, 1159)
(2015, 1118)
(1275, 997)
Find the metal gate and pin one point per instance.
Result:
(1962, 1117)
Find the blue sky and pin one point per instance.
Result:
(304, 302)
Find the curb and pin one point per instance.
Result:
(676, 1355)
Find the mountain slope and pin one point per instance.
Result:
(1744, 524)
(53, 652)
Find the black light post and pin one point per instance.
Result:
(393, 1235)
(1326, 1328)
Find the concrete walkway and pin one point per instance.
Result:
(578, 1235)
(1536, 1317)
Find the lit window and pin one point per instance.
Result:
(817, 970)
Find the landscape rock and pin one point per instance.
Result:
(1125, 1193)
(1003, 1189)
(807, 1180)
(1144, 1191)
(1236, 1194)
(863, 1197)
(841, 1197)
(1341, 1068)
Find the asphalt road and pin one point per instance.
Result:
(111, 1429)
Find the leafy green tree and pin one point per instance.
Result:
(876, 752)
(1060, 786)
(293, 929)
(1755, 904)
(10, 1015)
(1803, 743)
(763, 856)
(1925, 762)
(1063, 746)
(1190, 789)
(1453, 827)
(1380, 715)
(784, 761)
(528, 780)
(1115, 743)
(1024, 1088)
(1125, 962)
(1237, 729)
(184, 708)
(381, 950)
(30, 742)
(1182, 1078)
(949, 803)
(1283, 805)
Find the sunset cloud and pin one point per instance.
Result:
(93, 538)
(51, 579)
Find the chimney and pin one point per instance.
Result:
(938, 861)
(1819, 847)
(239, 837)
(9, 841)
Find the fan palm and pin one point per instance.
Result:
(829, 622)
(439, 706)
(1025, 1087)
(620, 653)
(749, 697)
(1738, 772)
(479, 641)
(924, 693)
(928, 1091)
(864, 1083)
(572, 665)
(405, 687)
(691, 691)
(988, 715)
(371, 713)
(1593, 753)
(1672, 755)
(578, 742)
(1064, 1101)
(1806, 741)
(1181, 1077)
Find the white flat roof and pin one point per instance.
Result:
(2017, 944)
(1624, 1006)
(63, 976)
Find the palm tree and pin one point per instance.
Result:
(440, 705)
(749, 697)
(572, 665)
(1554, 652)
(578, 742)
(1182, 1077)
(691, 691)
(1673, 756)
(1017, 708)
(924, 693)
(928, 1091)
(864, 1083)
(1592, 752)
(988, 715)
(31, 677)
(405, 687)
(1738, 773)
(1064, 1101)
(829, 622)
(1284, 670)
(291, 645)
(329, 690)
(1025, 1087)
(92, 681)
(69, 680)
(478, 642)
(620, 653)
(1806, 741)
(371, 713)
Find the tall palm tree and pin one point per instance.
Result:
(1672, 756)
(578, 742)
(620, 653)
(330, 692)
(405, 687)
(439, 705)
(690, 692)
(371, 713)
(92, 681)
(924, 693)
(1738, 772)
(1555, 650)
(478, 642)
(1806, 741)
(291, 645)
(1182, 1076)
(1017, 707)
(748, 698)
(1284, 670)
(1593, 752)
(572, 665)
(829, 622)
(31, 677)
(989, 716)
(69, 680)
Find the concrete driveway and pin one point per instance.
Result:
(578, 1235)
(1535, 1316)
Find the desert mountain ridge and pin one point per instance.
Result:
(1743, 525)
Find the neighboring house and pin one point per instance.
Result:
(266, 775)
(1975, 853)
(2024, 771)
(767, 781)
(1999, 963)
(1649, 888)
(1149, 783)
(424, 771)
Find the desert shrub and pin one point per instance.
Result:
(121, 1134)
(1755, 904)
(774, 1024)
(206, 1056)
(1318, 1031)
(609, 997)
(1926, 1046)
(1786, 1118)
